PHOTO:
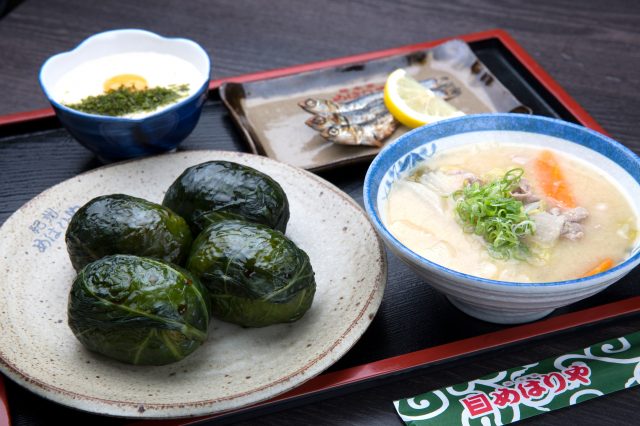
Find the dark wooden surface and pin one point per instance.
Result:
(591, 48)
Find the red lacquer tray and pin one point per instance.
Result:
(502, 55)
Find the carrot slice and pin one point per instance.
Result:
(551, 180)
(602, 266)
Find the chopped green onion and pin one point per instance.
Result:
(491, 212)
(126, 100)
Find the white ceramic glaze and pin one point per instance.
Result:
(236, 366)
(118, 42)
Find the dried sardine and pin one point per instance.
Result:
(371, 112)
(327, 106)
(369, 133)
(441, 86)
(321, 122)
(365, 120)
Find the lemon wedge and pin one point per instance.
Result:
(413, 104)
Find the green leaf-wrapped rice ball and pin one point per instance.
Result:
(138, 310)
(255, 275)
(122, 224)
(216, 190)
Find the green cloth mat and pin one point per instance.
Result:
(529, 390)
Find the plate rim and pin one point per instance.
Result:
(133, 409)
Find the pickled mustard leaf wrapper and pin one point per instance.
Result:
(255, 275)
(222, 189)
(122, 224)
(138, 310)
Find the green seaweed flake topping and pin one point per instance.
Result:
(491, 211)
(126, 100)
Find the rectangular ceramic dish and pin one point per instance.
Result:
(271, 120)
(420, 326)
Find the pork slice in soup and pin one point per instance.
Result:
(512, 213)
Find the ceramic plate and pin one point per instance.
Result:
(273, 124)
(236, 366)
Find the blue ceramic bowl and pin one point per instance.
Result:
(116, 138)
(491, 300)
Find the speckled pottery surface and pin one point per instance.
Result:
(235, 366)
(491, 300)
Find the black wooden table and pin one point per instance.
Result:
(591, 48)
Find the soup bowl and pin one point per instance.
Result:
(491, 300)
(115, 138)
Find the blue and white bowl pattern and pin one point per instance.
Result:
(492, 300)
(401, 168)
(116, 138)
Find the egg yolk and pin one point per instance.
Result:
(131, 81)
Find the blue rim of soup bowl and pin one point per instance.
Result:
(125, 31)
(496, 122)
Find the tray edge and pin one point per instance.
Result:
(369, 371)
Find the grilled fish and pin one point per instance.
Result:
(321, 122)
(368, 133)
(442, 87)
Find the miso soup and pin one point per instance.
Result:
(512, 213)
